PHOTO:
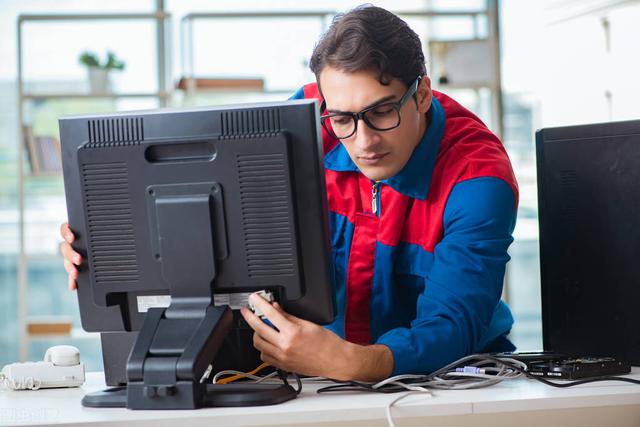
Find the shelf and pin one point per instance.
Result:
(76, 333)
(453, 86)
(324, 13)
(70, 95)
(47, 175)
(285, 92)
(54, 327)
(92, 17)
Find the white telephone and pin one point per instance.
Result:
(61, 368)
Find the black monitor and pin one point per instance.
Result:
(589, 206)
(196, 208)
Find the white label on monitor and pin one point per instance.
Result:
(235, 301)
(145, 302)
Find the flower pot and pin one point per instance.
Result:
(99, 80)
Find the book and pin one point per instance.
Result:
(43, 153)
(49, 325)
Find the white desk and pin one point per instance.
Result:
(520, 403)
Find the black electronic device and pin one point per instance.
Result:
(578, 367)
(589, 216)
(194, 209)
(532, 356)
(562, 366)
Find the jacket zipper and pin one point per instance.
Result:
(374, 198)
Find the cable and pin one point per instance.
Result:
(477, 372)
(474, 371)
(28, 383)
(236, 375)
(398, 378)
(398, 399)
(283, 376)
(447, 377)
(267, 377)
(469, 372)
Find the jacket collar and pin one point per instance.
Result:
(414, 178)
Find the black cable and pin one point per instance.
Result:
(298, 381)
(283, 376)
(357, 386)
(343, 387)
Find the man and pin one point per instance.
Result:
(422, 202)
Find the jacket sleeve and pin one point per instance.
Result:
(298, 94)
(459, 310)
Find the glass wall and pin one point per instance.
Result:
(557, 69)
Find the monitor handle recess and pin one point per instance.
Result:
(176, 344)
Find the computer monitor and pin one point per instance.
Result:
(589, 213)
(197, 208)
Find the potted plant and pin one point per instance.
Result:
(99, 73)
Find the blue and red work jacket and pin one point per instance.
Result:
(420, 257)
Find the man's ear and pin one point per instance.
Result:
(424, 95)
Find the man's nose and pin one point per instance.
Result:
(365, 136)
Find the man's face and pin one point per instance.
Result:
(378, 154)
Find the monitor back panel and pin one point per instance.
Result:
(261, 168)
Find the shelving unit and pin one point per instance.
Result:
(162, 94)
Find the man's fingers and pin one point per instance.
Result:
(65, 232)
(265, 346)
(268, 352)
(286, 315)
(69, 254)
(72, 271)
(69, 267)
(266, 358)
(290, 317)
(275, 317)
(267, 332)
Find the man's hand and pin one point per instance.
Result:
(71, 257)
(306, 348)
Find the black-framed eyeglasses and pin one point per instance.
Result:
(380, 117)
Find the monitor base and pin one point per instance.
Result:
(217, 395)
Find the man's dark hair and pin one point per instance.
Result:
(370, 38)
